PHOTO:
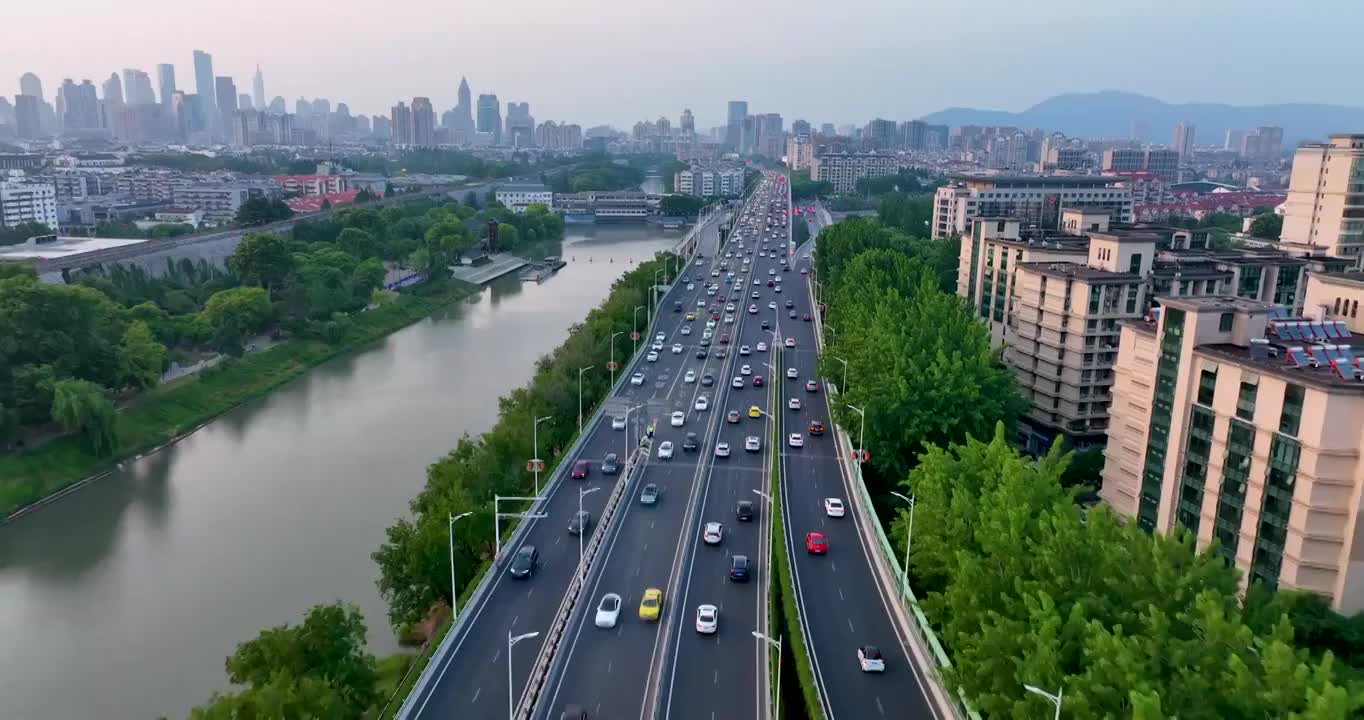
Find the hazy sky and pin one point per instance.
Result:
(617, 61)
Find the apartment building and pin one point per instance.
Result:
(219, 203)
(1325, 206)
(1164, 164)
(519, 196)
(312, 184)
(1242, 423)
(843, 170)
(22, 202)
(799, 152)
(1036, 200)
(710, 182)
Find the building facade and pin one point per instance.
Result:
(1325, 206)
(519, 196)
(843, 170)
(1037, 201)
(710, 182)
(22, 202)
(218, 203)
(800, 152)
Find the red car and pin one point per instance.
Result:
(770, 283)
(714, 316)
(816, 427)
(815, 544)
(807, 317)
(580, 469)
(724, 339)
(757, 381)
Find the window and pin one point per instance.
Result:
(1224, 323)
(1134, 264)
(1291, 417)
(1245, 401)
(1207, 386)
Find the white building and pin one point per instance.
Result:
(710, 182)
(28, 202)
(799, 152)
(518, 197)
(219, 203)
(1036, 201)
(843, 170)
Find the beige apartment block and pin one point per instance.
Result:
(1325, 205)
(1243, 424)
(1336, 296)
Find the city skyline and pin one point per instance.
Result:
(370, 68)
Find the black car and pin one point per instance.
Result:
(738, 568)
(523, 564)
(767, 325)
(610, 464)
(690, 444)
(580, 522)
(677, 306)
(701, 353)
(744, 511)
(790, 304)
(573, 712)
(707, 379)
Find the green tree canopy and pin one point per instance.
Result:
(1267, 225)
(84, 408)
(261, 211)
(142, 358)
(262, 259)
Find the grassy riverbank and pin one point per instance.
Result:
(176, 408)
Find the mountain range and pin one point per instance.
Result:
(1113, 114)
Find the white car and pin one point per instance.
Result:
(729, 307)
(752, 309)
(636, 379)
(738, 383)
(710, 325)
(795, 440)
(618, 421)
(710, 290)
(722, 449)
(772, 305)
(677, 348)
(762, 346)
(729, 319)
(715, 273)
(771, 271)
(690, 377)
(791, 374)
(608, 610)
(833, 507)
(691, 286)
(756, 282)
(713, 533)
(752, 443)
(659, 338)
(790, 342)
(652, 356)
(686, 329)
(678, 418)
(743, 350)
(870, 660)
(701, 404)
(700, 303)
(746, 370)
(707, 619)
(793, 404)
(656, 346)
(665, 450)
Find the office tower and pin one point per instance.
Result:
(771, 137)
(827, 130)
(303, 108)
(520, 124)
(79, 105)
(401, 124)
(423, 122)
(244, 102)
(490, 117)
(225, 91)
(29, 84)
(111, 115)
(1322, 210)
(113, 90)
(278, 106)
(734, 124)
(464, 109)
(688, 124)
(203, 83)
(1233, 140)
(165, 79)
(258, 89)
(800, 127)
(28, 116)
(322, 106)
(181, 114)
(137, 87)
(1183, 140)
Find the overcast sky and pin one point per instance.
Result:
(617, 61)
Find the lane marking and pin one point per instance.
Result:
(476, 694)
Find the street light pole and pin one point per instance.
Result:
(535, 439)
(909, 537)
(511, 695)
(582, 530)
(1054, 699)
(861, 433)
(580, 401)
(613, 356)
(844, 387)
(776, 711)
(626, 456)
(637, 309)
(653, 300)
(454, 587)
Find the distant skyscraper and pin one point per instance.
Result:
(827, 130)
(303, 108)
(520, 124)
(738, 110)
(1233, 140)
(28, 116)
(258, 89)
(1183, 140)
(225, 91)
(113, 90)
(244, 102)
(423, 122)
(137, 87)
(203, 83)
(165, 79)
(489, 117)
(402, 124)
(29, 84)
(278, 106)
(464, 109)
(112, 107)
(800, 127)
(80, 105)
(688, 124)
(322, 106)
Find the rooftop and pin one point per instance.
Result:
(1094, 180)
(1079, 271)
(63, 247)
(523, 187)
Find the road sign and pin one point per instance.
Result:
(535, 464)
(866, 456)
(612, 365)
(634, 336)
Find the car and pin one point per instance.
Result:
(793, 404)
(770, 271)
(618, 421)
(772, 305)
(758, 381)
(705, 341)
(869, 658)
(677, 348)
(650, 604)
(738, 383)
(752, 443)
(754, 411)
(724, 339)
(720, 353)
(713, 533)
(805, 271)
(652, 356)
(795, 440)
(690, 377)
(701, 353)
(702, 404)
(729, 307)
(690, 443)
(691, 315)
(811, 386)
(608, 610)
(790, 304)
(743, 511)
(678, 418)
(756, 295)
(715, 273)
(610, 465)
(707, 380)
(743, 350)
(816, 544)
(729, 319)
(732, 416)
(746, 370)
(722, 449)
(777, 289)
(648, 495)
(710, 290)
(757, 282)
(807, 317)
(762, 347)
(771, 283)
(833, 507)
(523, 562)
(738, 568)
(636, 379)
(707, 619)
(766, 326)
(791, 314)
(790, 342)
(580, 522)
(686, 330)
(752, 309)
(665, 450)
(816, 427)
(580, 470)
(699, 303)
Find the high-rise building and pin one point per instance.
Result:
(79, 104)
(112, 107)
(1164, 164)
(1184, 140)
(225, 92)
(827, 130)
(748, 135)
(137, 87)
(423, 122)
(181, 114)
(490, 117)
(278, 106)
(1262, 143)
(799, 152)
(881, 134)
(244, 102)
(688, 124)
(464, 108)
(28, 116)
(29, 84)
(734, 123)
(520, 124)
(1325, 206)
(258, 89)
(800, 127)
(165, 80)
(28, 203)
(303, 108)
(1036, 201)
(843, 170)
(113, 90)
(771, 140)
(402, 124)
(1233, 140)
(204, 85)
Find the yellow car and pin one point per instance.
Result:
(691, 316)
(651, 604)
(753, 411)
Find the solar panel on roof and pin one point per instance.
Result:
(1346, 352)
(1292, 331)
(1298, 357)
(1318, 330)
(1278, 311)
(1342, 328)
(1318, 355)
(1330, 329)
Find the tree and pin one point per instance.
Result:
(261, 211)
(22, 232)
(1267, 225)
(235, 314)
(681, 205)
(358, 242)
(326, 204)
(84, 408)
(262, 259)
(282, 698)
(141, 357)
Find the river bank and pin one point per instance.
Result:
(169, 412)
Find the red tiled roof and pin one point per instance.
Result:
(313, 203)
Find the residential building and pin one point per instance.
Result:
(137, 87)
(1234, 139)
(703, 181)
(519, 196)
(1035, 200)
(1262, 143)
(423, 122)
(23, 202)
(312, 184)
(800, 152)
(843, 170)
(402, 124)
(79, 106)
(1325, 205)
(1161, 163)
(31, 85)
(771, 137)
(1241, 423)
(28, 116)
(1183, 140)
(881, 134)
(219, 203)
(688, 124)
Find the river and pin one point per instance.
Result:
(122, 600)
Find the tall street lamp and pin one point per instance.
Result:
(535, 439)
(653, 299)
(511, 695)
(498, 515)
(626, 456)
(844, 387)
(612, 364)
(1054, 699)
(861, 433)
(637, 309)
(454, 587)
(776, 643)
(582, 529)
(909, 537)
(580, 400)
